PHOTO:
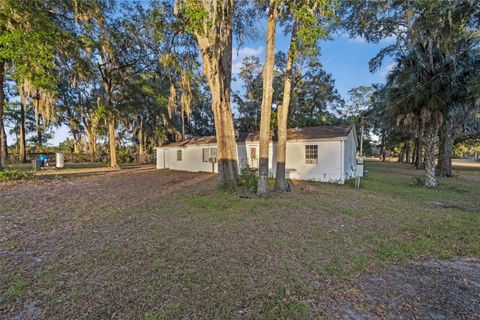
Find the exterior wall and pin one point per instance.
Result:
(244, 156)
(192, 159)
(350, 153)
(336, 159)
(160, 158)
(328, 167)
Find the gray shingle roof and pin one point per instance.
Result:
(319, 132)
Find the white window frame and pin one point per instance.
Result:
(207, 151)
(211, 153)
(311, 154)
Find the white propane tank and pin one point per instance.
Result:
(59, 160)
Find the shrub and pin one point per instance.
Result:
(10, 175)
(248, 179)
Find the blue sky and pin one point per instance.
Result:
(346, 59)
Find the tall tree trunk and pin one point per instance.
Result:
(141, 144)
(266, 110)
(77, 144)
(407, 151)
(430, 145)
(415, 151)
(3, 137)
(183, 125)
(111, 142)
(419, 154)
(39, 136)
(446, 149)
(22, 142)
(401, 156)
(5, 144)
(382, 147)
(216, 51)
(282, 115)
(92, 143)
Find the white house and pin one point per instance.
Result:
(323, 153)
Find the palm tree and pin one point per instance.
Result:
(417, 97)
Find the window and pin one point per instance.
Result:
(213, 153)
(253, 153)
(179, 155)
(209, 153)
(311, 154)
(206, 154)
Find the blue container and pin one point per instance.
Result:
(43, 160)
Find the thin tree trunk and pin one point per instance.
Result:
(266, 110)
(431, 156)
(282, 115)
(183, 125)
(5, 144)
(217, 66)
(3, 137)
(111, 142)
(92, 143)
(141, 144)
(407, 151)
(415, 151)
(382, 147)
(419, 154)
(77, 145)
(401, 157)
(39, 137)
(91, 126)
(22, 142)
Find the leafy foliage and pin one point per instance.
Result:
(11, 175)
(248, 179)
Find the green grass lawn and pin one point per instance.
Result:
(149, 244)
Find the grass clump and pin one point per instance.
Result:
(12, 175)
(417, 182)
(15, 290)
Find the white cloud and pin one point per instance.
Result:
(239, 55)
(387, 69)
(357, 39)
(362, 40)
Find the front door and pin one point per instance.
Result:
(253, 156)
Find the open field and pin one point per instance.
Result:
(148, 244)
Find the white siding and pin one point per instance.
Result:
(336, 159)
(160, 158)
(192, 158)
(328, 168)
(244, 156)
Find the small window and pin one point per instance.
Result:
(179, 155)
(209, 153)
(311, 154)
(206, 154)
(253, 153)
(213, 153)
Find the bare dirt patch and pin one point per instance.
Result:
(429, 289)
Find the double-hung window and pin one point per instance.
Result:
(179, 155)
(311, 154)
(209, 153)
